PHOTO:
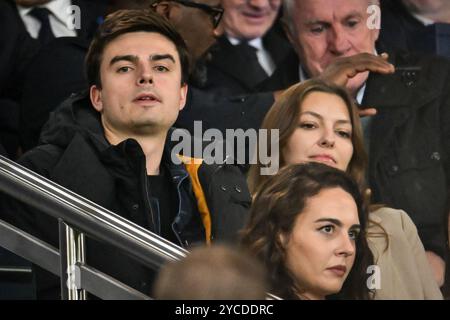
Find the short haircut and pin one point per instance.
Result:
(212, 273)
(288, 13)
(128, 21)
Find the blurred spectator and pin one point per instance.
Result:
(57, 72)
(212, 273)
(43, 20)
(416, 25)
(48, 19)
(16, 53)
(250, 48)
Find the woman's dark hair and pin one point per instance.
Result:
(278, 202)
(127, 21)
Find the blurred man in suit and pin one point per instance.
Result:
(416, 25)
(250, 48)
(49, 19)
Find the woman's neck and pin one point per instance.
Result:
(305, 295)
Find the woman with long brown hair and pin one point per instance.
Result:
(307, 225)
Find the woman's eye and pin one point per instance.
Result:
(344, 134)
(307, 125)
(161, 69)
(353, 234)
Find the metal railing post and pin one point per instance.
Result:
(72, 251)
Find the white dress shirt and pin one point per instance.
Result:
(59, 18)
(425, 21)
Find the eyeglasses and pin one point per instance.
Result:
(214, 12)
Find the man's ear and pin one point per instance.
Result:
(167, 10)
(163, 9)
(183, 95)
(96, 98)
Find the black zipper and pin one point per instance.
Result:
(147, 196)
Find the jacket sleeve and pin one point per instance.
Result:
(229, 201)
(429, 285)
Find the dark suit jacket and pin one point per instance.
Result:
(409, 164)
(401, 30)
(91, 15)
(57, 72)
(16, 52)
(19, 72)
(229, 72)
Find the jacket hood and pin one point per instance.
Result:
(75, 115)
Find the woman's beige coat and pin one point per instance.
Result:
(404, 269)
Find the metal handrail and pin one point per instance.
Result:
(85, 215)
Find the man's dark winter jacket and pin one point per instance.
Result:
(74, 153)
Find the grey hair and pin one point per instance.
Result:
(288, 13)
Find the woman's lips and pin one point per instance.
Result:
(338, 270)
(324, 158)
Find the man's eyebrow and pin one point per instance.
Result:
(134, 59)
(157, 57)
(128, 57)
(314, 114)
(353, 14)
(317, 21)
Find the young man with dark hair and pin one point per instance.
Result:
(114, 148)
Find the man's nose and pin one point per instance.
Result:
(338, 41)
(145, 76)
(258, 3)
